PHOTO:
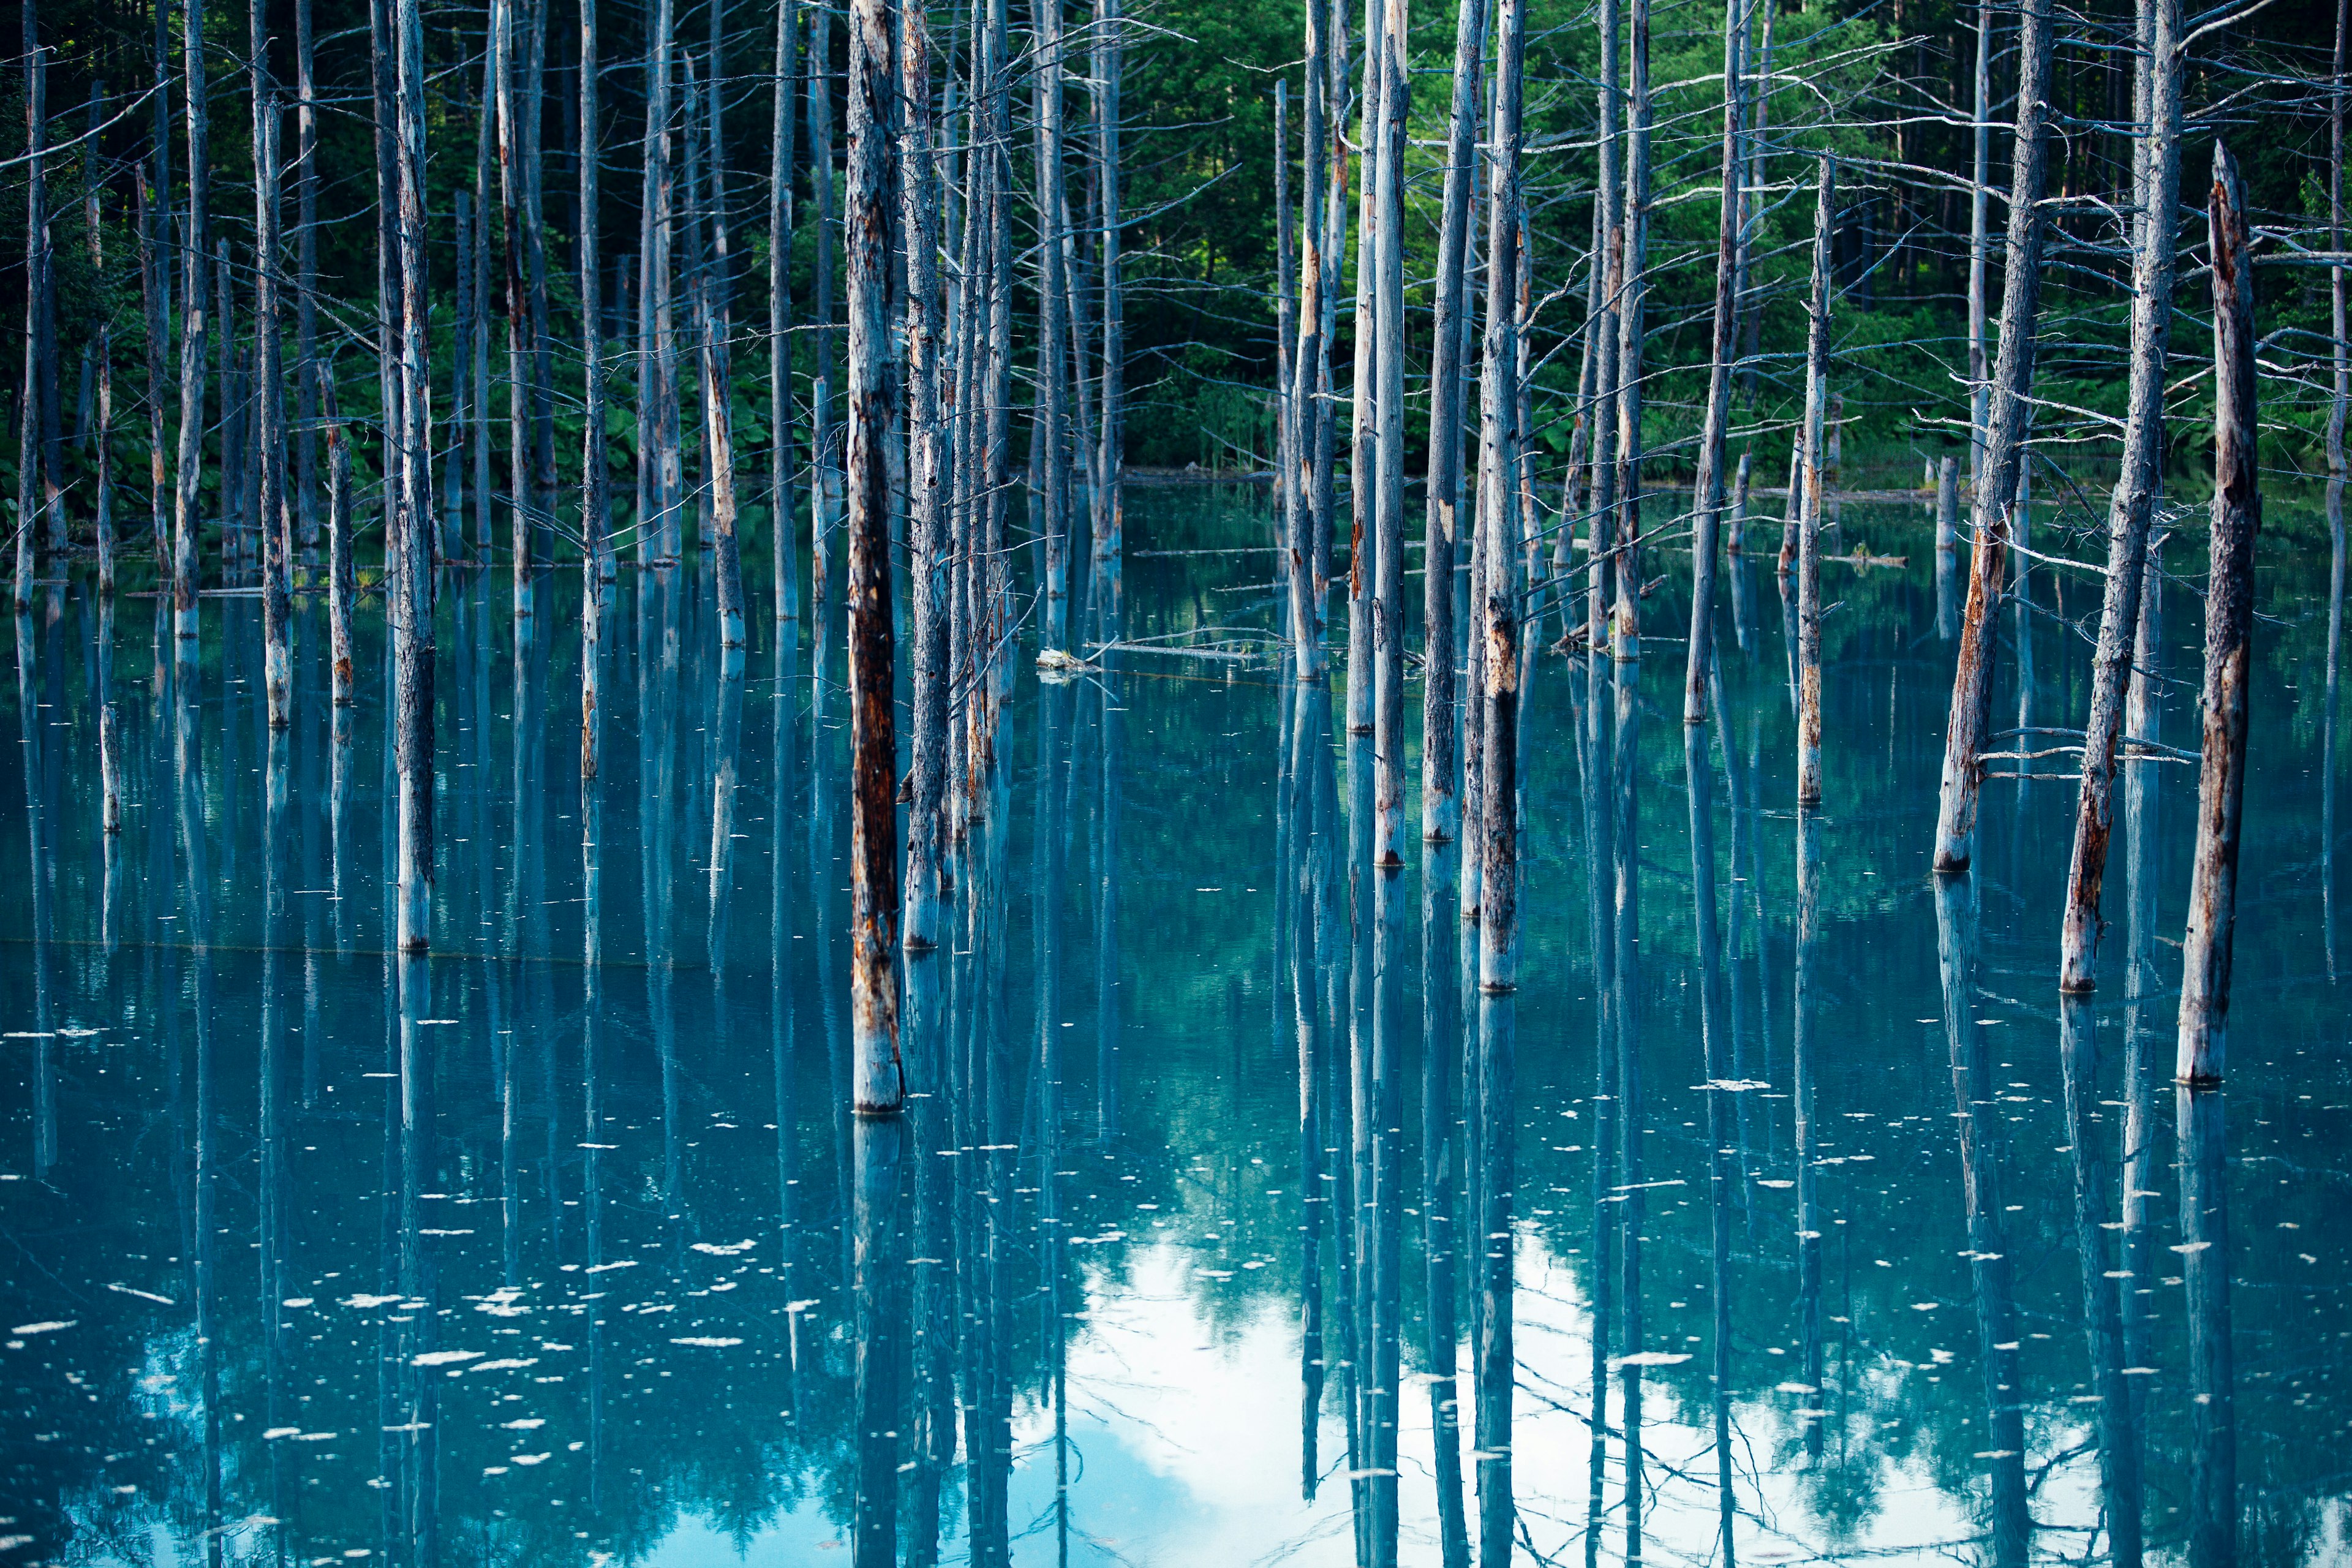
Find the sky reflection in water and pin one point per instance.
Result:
(562, 1246)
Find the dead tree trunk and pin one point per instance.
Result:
(1388, 152)
(2133, 502)
(783, 546)
(29, 450)
(1980, 178)
(1498, 853)
(277, 563)
(187, 521)
(596, 497)
(1441, 803)
(926, 921)
(823, 441)
(411, 596)
(2229, 642)
(596, 506)
(105, 461)
(511, 203)
(1706, 495)
(1809, 527)
(1991, 505)
(1361, 457)
(1053, 345)
(306, 283)
(717, 400)
(1633, 328)
(880, 1086)
(342, 572)
(1109, 517)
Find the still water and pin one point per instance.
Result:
(1779, 1216)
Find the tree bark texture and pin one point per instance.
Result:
(2203, 1047)
(1992, 502)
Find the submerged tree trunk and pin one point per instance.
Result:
(187, 521)
(1991, 506)
(2134, 499)
(718, 398)
(277, 606)
(306, 284)
(880, 1085)
(1053, 343)
(2229, 636)
(823, 441)
(785, 542)
(1441, 804)
(595, 499)
(410, 597)
(1109, 514)
(1631, 321)
(342, 572)
(928, 565)
(1498, 456)
(1706, 495)
(1809, 525)
(30, 393)
(1388, 154)
(1981, 174)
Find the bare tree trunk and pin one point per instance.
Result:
(186, 523)
(718, 379)
(596, 483)
(1361, 457)
(154, 290)
(1052, 347)
(666, 472)
(277, 551)
(1608, 195)
(306, 283)
(1499, 442)
(1809, 528)
(477, 330)
(1994, 499)
(880, 1086)
(1625, 632)
(411, 596)
(29, 449)
(510, 215)
(823, 441)
(2133, 502)
(926, 833)
(1388, 154)
(2228, 638)
(1752, 307)
(1980, 387)
(1441, 805)
(105, 461)
(595, 505)
(1706, 495)
(785, 543)
(1110, 520)
(342, 572)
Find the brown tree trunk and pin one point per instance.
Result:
(880, 1083)
(2229, 642)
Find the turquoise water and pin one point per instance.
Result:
(1200, 1244)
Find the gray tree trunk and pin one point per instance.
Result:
(927, 532)
(1809, 528)
(187, 521)
(29, 449)
(1362, 459)
(1498, 649)
(410, 597)
(781, 507)
(277, 552)
(1053, 345)
(343, 571)
(1110, 520)
(1706, 495)
(2228, 642)
(1625, 630)
(823, 441)
(596, 504)
(1993, 499)
(1980, 178)
(1441, 804)
(2133, 501)
(1388, 402)
(306, 281)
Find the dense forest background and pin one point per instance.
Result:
(1885, 84)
